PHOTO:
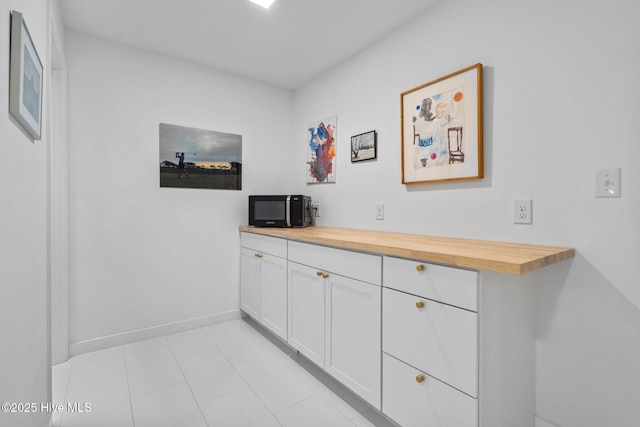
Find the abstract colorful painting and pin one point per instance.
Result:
(321, 152)
(442, 128)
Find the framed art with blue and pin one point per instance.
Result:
(441, 129)
(25, 79)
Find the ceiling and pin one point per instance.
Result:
(288, 45)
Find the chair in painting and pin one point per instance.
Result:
(455, 145)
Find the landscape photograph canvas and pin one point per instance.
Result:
(199, 158)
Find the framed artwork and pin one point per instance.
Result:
(441, 125)
(25, 81)
(321, 151)
(364, 146)
(199, 158)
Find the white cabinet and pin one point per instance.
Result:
(250, 282)
(450, 340)
(334, 320)
(430, 333)
(307, 311)
(353, 339)
(467, 336)
(436, 338)
(273, 295)
(263, 281)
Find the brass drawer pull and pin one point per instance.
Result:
(258, 255)
(325, 275)
(319, 273)
(420, 379)
(420, 305)
(420, 267)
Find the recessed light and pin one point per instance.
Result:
(264, 3)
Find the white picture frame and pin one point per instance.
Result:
(25, 80)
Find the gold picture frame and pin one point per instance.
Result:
(441, 129)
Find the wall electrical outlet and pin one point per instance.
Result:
(379, 210)
(316, 210)
(522, 211)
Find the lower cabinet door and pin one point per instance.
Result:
(413, 399)
(353, 349)
(250, 282)
(273, 301)
(306, 311)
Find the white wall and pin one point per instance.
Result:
(142, 256)
(24, 369)
(560, 92)
(561, 89)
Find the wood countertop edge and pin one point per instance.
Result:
(442, 250)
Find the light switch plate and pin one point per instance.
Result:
(608, 182)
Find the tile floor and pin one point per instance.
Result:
(229, 374)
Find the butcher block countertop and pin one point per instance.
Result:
(501, 257)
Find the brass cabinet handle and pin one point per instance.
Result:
(325, 275)
(258, 255)
(319, 273)
(420, 267)
(419, 305)
(420, 378)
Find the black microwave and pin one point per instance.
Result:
(281, 211)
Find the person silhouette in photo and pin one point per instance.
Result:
(181, 167)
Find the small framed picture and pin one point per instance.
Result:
(364, 146)
(25, 88)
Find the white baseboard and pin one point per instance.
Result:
(115, 340)
(542, 423)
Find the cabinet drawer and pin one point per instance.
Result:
(265, 244)
(450, 285)
(428, 403)
(436, 338)
(357, 265)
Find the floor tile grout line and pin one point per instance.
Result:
(264, 356)
(187, 382)
(242, 378)
(184, 379)
(126, 371)
(66, 391)
(164, 387)
(88, 355)
(294, 358)
(246, 332)
(94, 381)
(273, 415)
(297, 403)
(247, 385)
(145, 349)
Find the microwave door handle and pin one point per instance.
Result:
(287, 211)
